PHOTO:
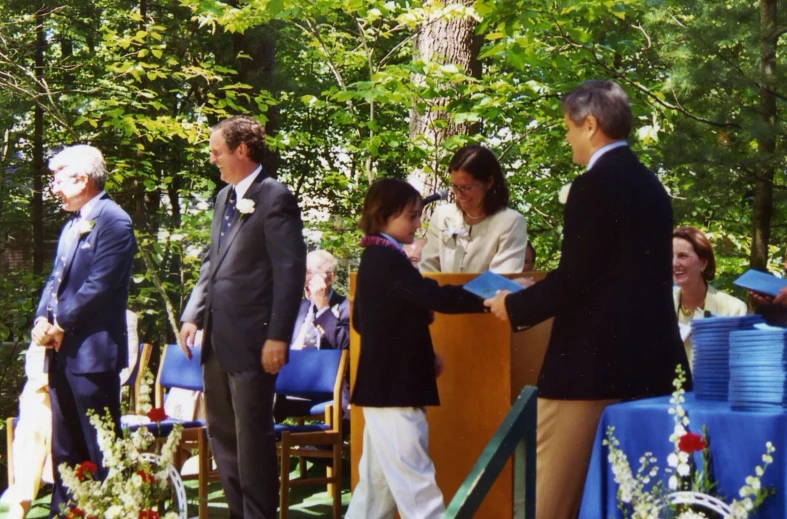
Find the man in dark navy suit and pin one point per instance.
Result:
(246, 301)
(323, 320)
(615, 333)
(82, 314)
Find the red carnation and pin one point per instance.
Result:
(157, 414)
(85, 467)
(148, 514)
(147, 477)
(75, 512)
(691, 442)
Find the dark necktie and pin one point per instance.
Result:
(229, 215)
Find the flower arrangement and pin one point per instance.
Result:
(643, 495)
(138, 484)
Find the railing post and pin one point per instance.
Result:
(516, 437)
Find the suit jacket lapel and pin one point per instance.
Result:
(237, 221)
(215, 226)
(78, 236)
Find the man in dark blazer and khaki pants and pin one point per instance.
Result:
(615, 335)
(246, 300)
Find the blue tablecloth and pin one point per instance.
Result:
(737, 443)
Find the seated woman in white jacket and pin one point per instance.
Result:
(693, 266)
(479, 232)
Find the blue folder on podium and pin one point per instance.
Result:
(760, 282)
(488, 283)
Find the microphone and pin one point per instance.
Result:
(440, 194)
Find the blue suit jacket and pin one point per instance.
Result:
(88, 295)
(334, 323)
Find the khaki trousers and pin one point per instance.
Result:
(564, 441)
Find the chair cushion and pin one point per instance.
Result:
(319, 409)
(280, 428)
(165, 427)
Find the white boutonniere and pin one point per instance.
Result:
(85, 226)
(335, 310)
(245, 206)
(562, 195)
(453, 232)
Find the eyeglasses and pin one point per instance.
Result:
(463, 190)
(55, 182)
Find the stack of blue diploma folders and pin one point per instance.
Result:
(758, 369)
(487, 284)
(710, 339)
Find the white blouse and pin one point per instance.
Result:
(496, 243)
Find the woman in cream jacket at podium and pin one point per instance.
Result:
(479, 232)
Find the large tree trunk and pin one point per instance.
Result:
(766, 142)
(38, 148)
(445, 42)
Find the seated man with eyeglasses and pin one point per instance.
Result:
(323, 322)
(479, 232)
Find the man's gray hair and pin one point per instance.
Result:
(323, 257)
(605, 101)
(82, 159)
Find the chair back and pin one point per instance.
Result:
(310, 374)
(143, 357)
(176, 370)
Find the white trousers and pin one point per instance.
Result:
(395, 471)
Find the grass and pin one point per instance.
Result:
(306, 502)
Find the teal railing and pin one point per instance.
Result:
(515, 437)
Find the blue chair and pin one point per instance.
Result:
(315, 375)
(176, 370)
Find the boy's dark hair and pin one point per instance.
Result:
(481, 164)
(385, 198)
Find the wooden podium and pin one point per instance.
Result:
(486, 366)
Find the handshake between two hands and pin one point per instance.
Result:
(47, 334)
(497, 304)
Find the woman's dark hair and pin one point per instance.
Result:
(242, 129)
(481, 164)
(385, 198)
(701, 246)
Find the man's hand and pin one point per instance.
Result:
(54, 337)
(317, 291)
(188, 333)
(762, 299)
(497, 304)
(781, 297)
(38, 334)
(274, 355)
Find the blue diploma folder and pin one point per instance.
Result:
(760, 282)
(488, 283)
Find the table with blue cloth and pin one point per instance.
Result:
(737, 442)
